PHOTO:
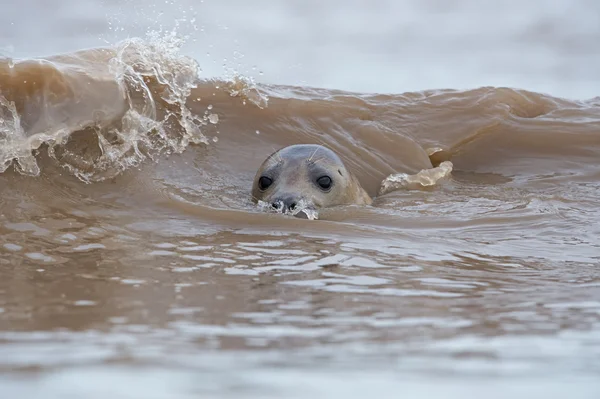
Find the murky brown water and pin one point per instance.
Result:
(133, 263)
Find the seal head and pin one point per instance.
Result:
(306, 176)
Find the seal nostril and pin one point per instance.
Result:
(292, 206)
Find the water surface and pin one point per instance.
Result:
(133, 262)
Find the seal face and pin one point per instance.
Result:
(306, 176)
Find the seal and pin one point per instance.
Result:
(306, 176)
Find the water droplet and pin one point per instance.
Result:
(258, 132)
(213, 118)
(215, 139)
(260, 73)
(209, 106)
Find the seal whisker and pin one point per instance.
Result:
(275, 155)
(275, 159)
(313, 154)
(278, 155)
(322, 142)
(318, 160)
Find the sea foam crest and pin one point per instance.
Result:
(155, 81)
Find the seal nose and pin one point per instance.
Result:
(285, 204)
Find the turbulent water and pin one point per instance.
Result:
(133, 262)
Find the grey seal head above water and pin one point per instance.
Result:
(306, 176)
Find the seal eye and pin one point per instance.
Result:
(324, 182)
(264, 182)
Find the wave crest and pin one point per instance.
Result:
(149, 115)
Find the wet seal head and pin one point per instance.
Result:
(300, 179)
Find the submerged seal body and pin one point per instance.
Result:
(306, 176)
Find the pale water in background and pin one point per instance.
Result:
(126, 273)
(369, 46)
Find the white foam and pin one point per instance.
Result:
(425, 178)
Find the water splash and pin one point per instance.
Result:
(155, 81)
(307, 213)
(14, 146)
(425, 178)
(246, 89)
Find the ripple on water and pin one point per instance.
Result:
(84, 302)
(38, 256)
(12, 247)
(89, 247)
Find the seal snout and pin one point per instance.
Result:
(296, 206)
(287, 203)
